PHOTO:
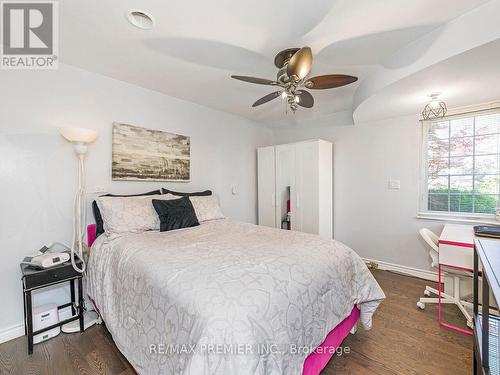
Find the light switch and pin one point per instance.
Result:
(99, 189)
(394, 184)
(233, 190)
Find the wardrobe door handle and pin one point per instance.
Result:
(273, 199)
(297, 198)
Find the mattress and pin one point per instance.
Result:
(226, 297)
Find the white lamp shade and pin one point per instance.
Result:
(78, 135)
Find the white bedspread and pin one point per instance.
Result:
(225, 297)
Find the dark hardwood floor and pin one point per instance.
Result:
(404, 340)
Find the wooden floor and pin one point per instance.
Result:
(404, 340)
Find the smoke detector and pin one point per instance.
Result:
(140, 19)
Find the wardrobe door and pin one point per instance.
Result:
(285, 184)
(266, 186)
(325, 184)
(306, 202)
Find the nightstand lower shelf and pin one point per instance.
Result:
(37, 279)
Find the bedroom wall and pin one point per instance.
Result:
(37, 166)
(378, 223)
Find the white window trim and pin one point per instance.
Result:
(458, 217)
(463, 217)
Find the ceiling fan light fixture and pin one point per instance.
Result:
(140, 19)
(303, 72)
(294, 66)
(436, 108)
(300, 63)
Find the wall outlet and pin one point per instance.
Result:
(394, 184)
(99, 189)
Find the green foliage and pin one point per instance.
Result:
(462, 201)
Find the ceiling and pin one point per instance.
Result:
(196, 46)
(464, 79)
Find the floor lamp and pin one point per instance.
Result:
(80, 138)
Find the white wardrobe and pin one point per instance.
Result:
(295, 187)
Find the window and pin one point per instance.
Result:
(462, 164)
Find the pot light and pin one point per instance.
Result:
(140, 19)
(435, 108)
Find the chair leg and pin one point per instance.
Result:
(428, 291)
(447, 299)
(469, 306)
(436, 300)
(422, 301)
(460, 303)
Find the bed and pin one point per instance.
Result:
(229, 298)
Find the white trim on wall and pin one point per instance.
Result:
(466, 110)
(17, 330)
(405, 270)
(457, 218)
(11, 333)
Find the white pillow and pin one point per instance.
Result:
(130, 214)
(206, 207)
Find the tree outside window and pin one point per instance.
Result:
(463, 164)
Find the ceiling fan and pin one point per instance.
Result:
(294, 65)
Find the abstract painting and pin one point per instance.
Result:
(141, 154)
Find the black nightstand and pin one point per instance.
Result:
(36, 279)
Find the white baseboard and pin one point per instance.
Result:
(17, 330)
(11, 333)
(410, 271)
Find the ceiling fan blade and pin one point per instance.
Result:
(259, 81)
(300, 63)
(304, 99)
(267, 98)
(329, 81)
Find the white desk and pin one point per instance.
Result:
(456, 246)
(456, 250)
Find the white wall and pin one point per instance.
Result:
(376, 222)
(37, 166)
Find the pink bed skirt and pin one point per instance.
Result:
(91, 232)
(319, 358)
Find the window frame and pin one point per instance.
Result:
(423, 211)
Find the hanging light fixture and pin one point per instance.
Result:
(435, 108)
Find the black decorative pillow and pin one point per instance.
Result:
(181, 194)
(175, 213)
(97, 214)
